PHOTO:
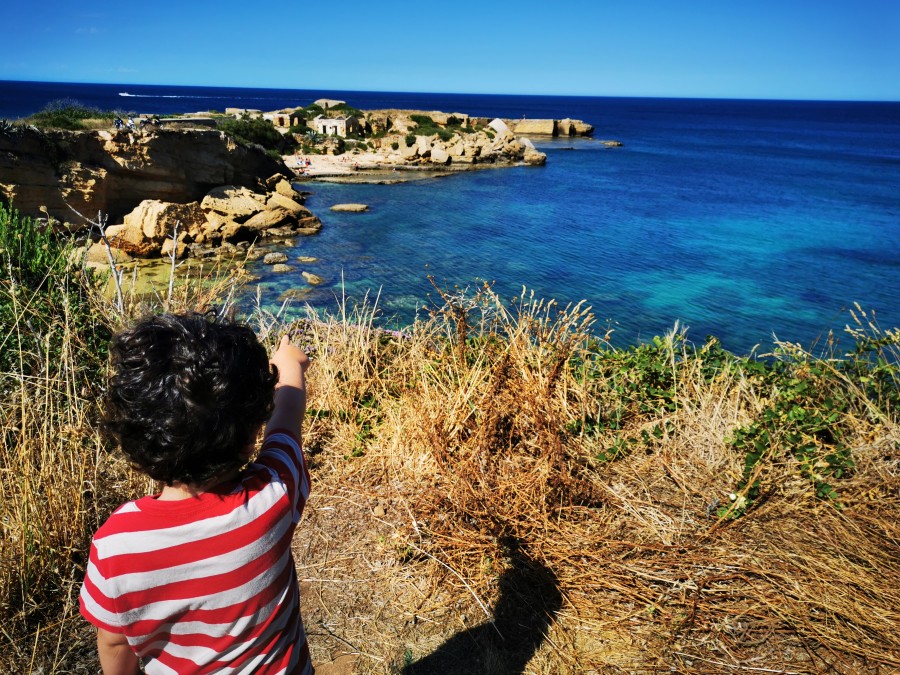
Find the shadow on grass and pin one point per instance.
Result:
(529, 599)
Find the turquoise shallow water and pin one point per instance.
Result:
(741, 232)
(741, 219)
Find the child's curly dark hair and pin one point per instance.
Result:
(187, 395)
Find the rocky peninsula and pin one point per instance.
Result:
(395, 145)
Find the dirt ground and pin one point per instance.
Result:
(372, 603)
(368, 605)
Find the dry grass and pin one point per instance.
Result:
(408, 544)
(498, 491)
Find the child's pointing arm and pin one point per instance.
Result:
(290, 392)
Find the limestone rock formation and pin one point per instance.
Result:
(464, 147)
(532, 154)
(232, 202)
(538, 127)
(149, 229)
(439, 155)
(226, 216)
(114, 171)
(564, 127)
(500, 127)
(275, 257)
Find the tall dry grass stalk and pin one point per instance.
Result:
(52, 465)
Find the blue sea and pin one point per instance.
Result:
(748, 220)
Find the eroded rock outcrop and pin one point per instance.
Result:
(564, 127)
(114, 171)
(166, 191)
(495, 144)
(226, 215)
(538, 127)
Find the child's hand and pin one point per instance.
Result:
(291, 362)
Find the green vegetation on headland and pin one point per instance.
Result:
(261, 131)
(72, 115)
(692, 505)
(425, 126)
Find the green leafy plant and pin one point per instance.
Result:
(812, 403)
(35, 289)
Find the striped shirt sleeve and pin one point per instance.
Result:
(282, 453)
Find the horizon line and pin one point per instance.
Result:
(707, 97)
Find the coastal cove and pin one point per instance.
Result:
(747, 230)
(740, 219)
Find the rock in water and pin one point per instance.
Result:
(350, 208)
(275, 257)
(313, 279)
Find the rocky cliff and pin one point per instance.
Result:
(114, 171)
(162, 192)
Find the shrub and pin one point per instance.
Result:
(345, 109)
(425, 126)
(67, 114)
(310, 111)
(257, 130)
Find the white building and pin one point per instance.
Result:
(337, 126)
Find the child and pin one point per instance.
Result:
(200, 577)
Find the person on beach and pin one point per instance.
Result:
(200, 577)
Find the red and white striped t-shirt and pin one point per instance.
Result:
(208, 584)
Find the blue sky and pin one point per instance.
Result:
(795, 49)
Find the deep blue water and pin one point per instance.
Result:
(741, 219)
